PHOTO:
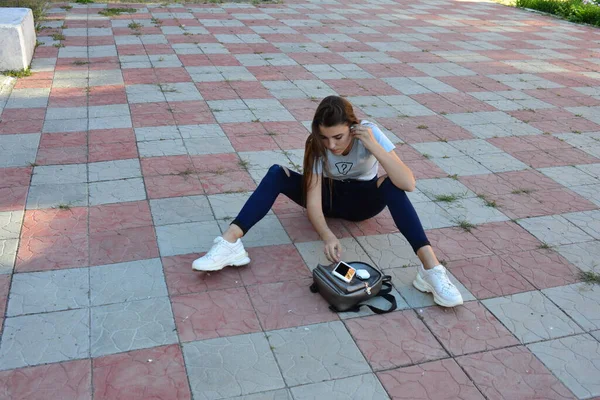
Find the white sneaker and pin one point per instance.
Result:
(221, 255)
(436, 281)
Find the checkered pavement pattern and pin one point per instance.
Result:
(139, 136)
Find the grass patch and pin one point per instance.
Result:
(488, 203)
(58, 36)
(84, 1)
(544, 246)
(455, 177)
(110, 12)
(66, 8)
(64, 207)
(466, 225)
(422, 127)
(17, 73)
(522, 191)
(447, 198)
(134, 25)
(38, 8)
(80, 62)
(244, 164)
(580, 11)
(590, 277)
(58, 45)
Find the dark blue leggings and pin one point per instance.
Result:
(350, 200)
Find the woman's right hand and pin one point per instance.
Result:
(333, 249)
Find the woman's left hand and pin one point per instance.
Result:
(364, 134)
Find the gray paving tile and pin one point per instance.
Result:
(106, 77)
(443, 187)
(144, 94)
(66, 113)
(389, 251)
(462, 166)
(317, 353)
(215, 145)
(177, 210)
(8, 254)
(575, 360)
(281, 394)
(473, 210)
(585, 255)
(128, 281)
(18, 150)
(569, 176)
(402, 279)
(531, 317)
(433, 216)
(132, 325)
(499, 162)
(201, 131)
(228, 205)
(186, 238)
(158, 148)
(119, 122)
(49, 196)
(313, 254)
(28, 98)
(588, 221)
(157, 133)
(365, 387)
(45, 338)
(596, 334)
(40, 292)
(231, 366)
(59, 174)
(112, 170)
(580, 301)
(590, 192)
(554, 230)
(10, 224)
(267, 232)
(118, 191)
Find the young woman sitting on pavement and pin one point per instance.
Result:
(341, 161)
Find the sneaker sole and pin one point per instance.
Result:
(237, 262)
(425, 287)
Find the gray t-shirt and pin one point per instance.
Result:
(359, 164)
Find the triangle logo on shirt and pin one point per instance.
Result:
(344, 167)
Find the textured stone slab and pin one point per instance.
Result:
(389, 251)
(118, 191)
(580, 301)
(113, 170)
(8, 254)
(49, 196)
(554, 230)
(575, 360)
(128, 281)
(132, 325)
(10, 224)
(531, 317)
(588, 221)
(432, 188)
(228, 205)
(473, 210)
(313, 252)
(18, 150)
(186, 238)
(59, 174)
(176, 210)
(583, 255)
(39, 292)
(45, 338)
(365, 387)
(232, 366)
(316, 353)
(268, 231)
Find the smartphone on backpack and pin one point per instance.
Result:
(344, 271)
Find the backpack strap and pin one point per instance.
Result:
(385, 292)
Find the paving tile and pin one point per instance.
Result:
(115, 246)
(512, 373)
(113, 170)
(217, 313)
(186, 238)
(531, 317)
(433, 216)
(474, 210)
(316, 353)
(177, 210)
(579, 301)
(45, 338)
(135, 280)
(231, 366)
(8, 255)
(52, 252)
(39, 292)
(132, 325)
(272, 264)
(49, 196)
(10, 224)
(117, 191)
(583, 255)
(506, 237)
(452, 244)
(228, 205)
(573, 360)
(395, 340)
(432, 380)
(357, 387)
(487, 277)
(402, 279)
(65, 380)
(157, 372)
(59, 174)
(119, 216)
(288, 304)
(389, 251)
(554, 230)
(268, 231)
(588, 221)
(467, 329)
(313, 252)
(161, 186)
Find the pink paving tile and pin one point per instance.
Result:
(13, 127)
(274, 264)
(67, 97)
(118, 216)
(506, 237)
(456, 244)
(101, 136)
(559, 201)
(55, 222)
(442, 379)
(251, 90)
(217, 313)
(513, 144)
(394, 340)
(288, 304)
(52, 252)
(24, 83)
(68, 139)
(172, 75)
(216, 91)
(108, 247)
(194, 118)
(157, 373)
(253, 143)
(181, 279)
(195, 60)
(23, 114)
(13, 198)
(543, 268)
(66, 380)
(217, 162)
(62, 155)
(571, 157)
(425, 169)
(166, 165)
(299, 228)
(513, 373)
(467, 329)
(379, 225)
(283, 205)
(227, 182)
(173, 186)
(4, 288)
(139, 76)
(529, 179)
(244, 129)
(487, 277)
(112, 151)
(106, 95)
(15, 176)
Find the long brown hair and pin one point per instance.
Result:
(332, 111)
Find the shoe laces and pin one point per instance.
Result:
(214, 250)
(444, 282)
